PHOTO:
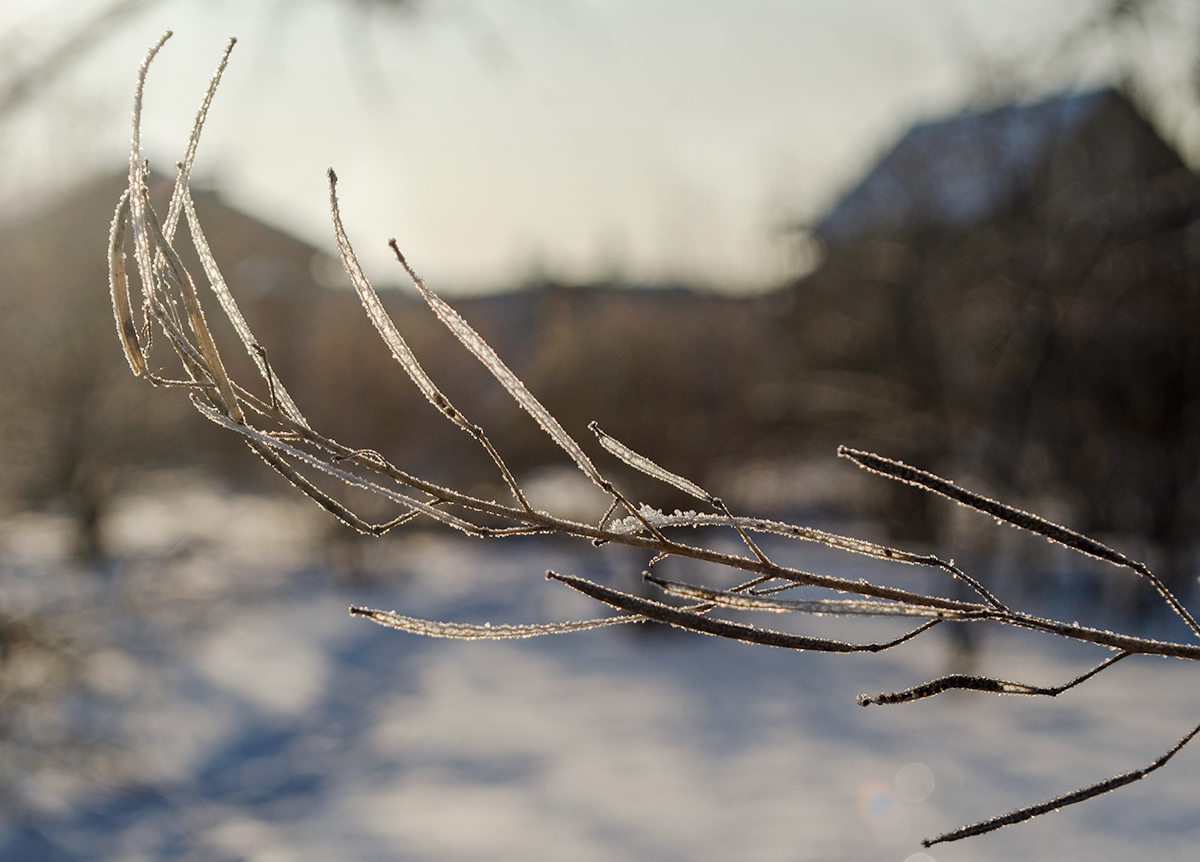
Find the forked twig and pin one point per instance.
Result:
(1018, 518)
(966, 682)
(645, 465)
(273, 427)
(399, 347)
(687, 619)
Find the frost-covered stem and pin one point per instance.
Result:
(274, 428)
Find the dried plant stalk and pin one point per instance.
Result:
(274, 428)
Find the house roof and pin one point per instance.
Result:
(959, 172)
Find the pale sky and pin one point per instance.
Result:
(578, 139)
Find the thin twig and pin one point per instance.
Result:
(983, 683)
(685, 619)
(1018, 518)
(1060, 802)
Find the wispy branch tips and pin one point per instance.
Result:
(271, 424)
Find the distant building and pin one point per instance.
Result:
(1064, 156)
(1013, 297)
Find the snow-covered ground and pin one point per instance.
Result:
(261, 722)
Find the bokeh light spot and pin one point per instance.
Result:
(915, 782)
(881, 808)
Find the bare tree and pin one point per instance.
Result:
(272, 425)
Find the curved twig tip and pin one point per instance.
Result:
(394, 246)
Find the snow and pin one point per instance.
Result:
(271, 662)
(261, 722)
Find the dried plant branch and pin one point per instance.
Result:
(118, 283)
(645, 465)
(487, 631)
(273, 426)
(189, 156)
(818, 607)
(279, 394)
(1025, 520)
(967, 682)
(686, 619)
(484, 353)
(1059, 802)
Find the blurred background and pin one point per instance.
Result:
(962, 234)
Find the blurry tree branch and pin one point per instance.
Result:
(37, 58)
(25, 82)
